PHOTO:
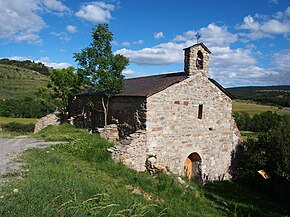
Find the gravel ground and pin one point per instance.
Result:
(11, 148)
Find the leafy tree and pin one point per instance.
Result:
(22, 108)
(270, 151)
(265, 121)
(243, 120)
(102, 69)
(64, 83)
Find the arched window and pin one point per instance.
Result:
(199, 60)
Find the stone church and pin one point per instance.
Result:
(183, 119)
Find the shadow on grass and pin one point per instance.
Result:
(240, 200)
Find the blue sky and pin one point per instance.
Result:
(249, 40)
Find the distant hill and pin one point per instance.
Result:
(27, 64)
(272, 95)
(17, 82)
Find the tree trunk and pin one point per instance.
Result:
(105, 108)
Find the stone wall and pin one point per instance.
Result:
(128, 113)
(174, 130)
(131, 151)
(50, 119)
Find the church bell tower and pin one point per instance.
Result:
(196, 59)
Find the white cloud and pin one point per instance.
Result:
(230, 67)
(71, 29)
(273, 2)
(282, 63)
(63, 36)
(188, 35)
(249, 23)
(55, 5)
(96, 12)
(46, 61)
(263, 27)
(172, 52)
(126, 44)
(275, 27)
(158, 35)
(129, 73)
(138, 42)
(115, 43)
(19, 20)
(163, 54)
(19, 58)
(214, 35)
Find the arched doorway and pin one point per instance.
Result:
(192, 167)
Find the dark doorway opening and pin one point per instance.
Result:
(192, 167)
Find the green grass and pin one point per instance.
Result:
(253, 108)
(6, 120)
(9, 134)
(18, 83)
(80, 179)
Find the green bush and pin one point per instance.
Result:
(18, 127)
(22, 108)
(270, 151)
(263, 122)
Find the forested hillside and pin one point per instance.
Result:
(273, 95)
(27, 64)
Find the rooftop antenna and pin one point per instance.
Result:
(198, 36)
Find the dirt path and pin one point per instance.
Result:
(11, 148)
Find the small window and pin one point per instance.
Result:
(200, 107)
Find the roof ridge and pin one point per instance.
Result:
(170, 73)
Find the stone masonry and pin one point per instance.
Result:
(174, 130)
(177, 118)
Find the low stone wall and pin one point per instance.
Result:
(110, 133)
(50, 119)
(131, 151)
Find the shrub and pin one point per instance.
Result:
(22, 108)
(18, 127)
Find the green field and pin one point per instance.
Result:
(254, 108)
(17, 83)
(6, 120)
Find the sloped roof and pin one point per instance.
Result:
(225, 91)
(149, 85)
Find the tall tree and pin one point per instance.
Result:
(101, 67)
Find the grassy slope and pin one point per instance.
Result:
(17, 82)
(79, 179)
(254, 108)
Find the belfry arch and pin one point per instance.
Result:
(192, 167)
(199, 60)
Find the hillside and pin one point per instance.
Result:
(27, 64)
(17, 82)
(272, 95)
